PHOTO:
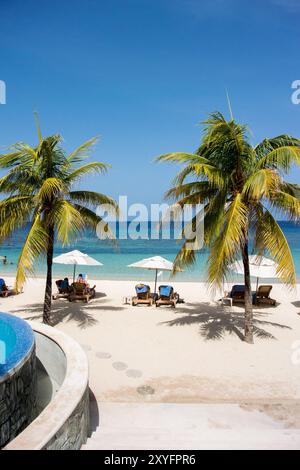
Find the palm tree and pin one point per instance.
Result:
(40, 193)
(242, 189)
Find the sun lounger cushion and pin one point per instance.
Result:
(142, 289)
(165, 291)
(2, 285)
(64, 284)
(237, 291)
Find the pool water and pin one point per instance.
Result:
(8, 340)
(16, 340)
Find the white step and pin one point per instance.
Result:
(187, 426)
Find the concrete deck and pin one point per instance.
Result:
(186, 426)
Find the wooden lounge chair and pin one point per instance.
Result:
(263, 296)
(237, 294)
(167, 296)
(63, 289)
(79, 291)
(143, 295)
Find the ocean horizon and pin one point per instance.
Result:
(115, 259)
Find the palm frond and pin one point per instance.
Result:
(67, 220)
(281, 158)
(15, 211)
(50, 189)
(95, 222)
(22, 154)
(286, 205)
(214, 213)
(181, 157)
(267, 145)
(269, 236)
(35, 245)
(199, 191)
(184, 258)
(88, 168)
(93, 199)
(19, 179)
(82, 152)
(227, 245)
(261, 183)
(38, 127)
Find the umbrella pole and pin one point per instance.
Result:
(256, 290)
(155, 281)
(74, 272)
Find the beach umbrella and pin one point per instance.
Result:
(259, 267)
(75, 258)
(156, 263)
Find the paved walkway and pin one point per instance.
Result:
(185, 426)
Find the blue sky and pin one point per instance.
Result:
(143, 73)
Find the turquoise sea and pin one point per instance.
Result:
(116, 259)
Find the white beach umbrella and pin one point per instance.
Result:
(259, 267)
(75, 258)
(156, 263)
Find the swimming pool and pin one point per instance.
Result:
(16, 340)
(18, 380)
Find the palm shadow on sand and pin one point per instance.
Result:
(62, 310)
(297, 305)
(216, 321)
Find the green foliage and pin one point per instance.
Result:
(39, 189)
(239, 185)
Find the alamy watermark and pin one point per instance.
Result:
(296, 94)
(2, 92)
(158, 221)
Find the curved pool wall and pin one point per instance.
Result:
(18, 384)
(63, 423)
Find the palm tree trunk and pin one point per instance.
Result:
(48, 290)
(248, 335)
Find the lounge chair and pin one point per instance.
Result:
(143, 295)
(79, 291)
(263, 296)
(5, 291)
(63, 288)
(167, 296)
(237, 293)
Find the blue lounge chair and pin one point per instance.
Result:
(4, 290)
(167, 296)
(262, 295)
(63, 288)
(143, 295)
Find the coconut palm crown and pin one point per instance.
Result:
(40, 195)
(243, 191)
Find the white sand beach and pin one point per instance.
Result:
(192, 354)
